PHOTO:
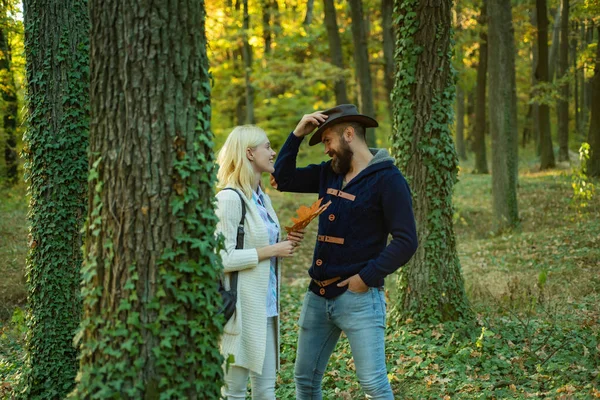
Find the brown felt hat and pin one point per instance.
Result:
(338, 114)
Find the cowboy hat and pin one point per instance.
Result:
(339, 114)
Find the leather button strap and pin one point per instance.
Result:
(341, 194)
(330, 239)
(327, 282)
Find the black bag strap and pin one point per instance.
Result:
(239, 244)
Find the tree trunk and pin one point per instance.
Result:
(431, 284)
(481, 166)
(267, 31)
(460, 124)
(503, 115)
(546, 151)
(361, 59)
(562, 106)
(57, 55)
(150, 327)
(593, 166)
(389, 36)
(247, 57)
(309, 12)
(554, 48)
(573, 58)
(9, 109)
(535, 107)
(335, 50)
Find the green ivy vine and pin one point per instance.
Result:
(56, 170)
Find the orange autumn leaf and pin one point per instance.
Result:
(307, 214)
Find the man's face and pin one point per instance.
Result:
(338, 149)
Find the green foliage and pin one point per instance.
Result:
(426, 154)
(56, 170)
(583, 187)
(12, 360)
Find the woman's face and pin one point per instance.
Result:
(262, 157)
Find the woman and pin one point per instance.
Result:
(252, 333)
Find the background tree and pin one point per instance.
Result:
(56, 46)
(546, 151)
(150, 328)
(247, 57)
(562, 106)
(9, 97)
(387, 27)
(431, 283)
(503, 114)
(593, 166)
(363, 71)
(335, 49)
(479, 148)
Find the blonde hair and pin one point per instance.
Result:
(235, 169)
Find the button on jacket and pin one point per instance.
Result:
(353, 231)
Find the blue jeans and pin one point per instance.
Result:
(362, 318)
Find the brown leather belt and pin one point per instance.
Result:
(341, 194)
(327, 282)
(330, 239)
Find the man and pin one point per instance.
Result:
(370, 199)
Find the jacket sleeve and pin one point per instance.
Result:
(292, 179)
(400, 222)
(229, 212)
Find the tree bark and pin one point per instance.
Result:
(481, 166)
(335, 50)
(150, 327)
(247, 57)
(57, 55)
(593, 166)
(535, 107)
(503, 115)
(10, 108)
(460, 123)
(361, 59)
(546, 152)
(562, 107)
(431, 285)
(554, 48)
(389, 38)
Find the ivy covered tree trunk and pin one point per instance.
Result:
(335, 50)
(562, 106)
(431, 284)
(479, 149)
(593, 166)
(57, 54)
(150, 327)
(361, 60)
(10, 108)
(503, 115)
(546, 152)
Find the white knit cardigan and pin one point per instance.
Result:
(245, 335)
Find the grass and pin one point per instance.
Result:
(535, 292)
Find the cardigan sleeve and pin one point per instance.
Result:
(292, 179)
(229, 212)
(400, 222)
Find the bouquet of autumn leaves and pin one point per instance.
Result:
(307, 214)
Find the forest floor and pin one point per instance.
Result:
(535, 293)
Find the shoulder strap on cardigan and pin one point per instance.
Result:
(239, 244)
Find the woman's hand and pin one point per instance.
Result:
(281, 249)
(296, 237)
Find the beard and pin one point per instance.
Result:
(342, 158)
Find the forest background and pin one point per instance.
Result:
(533, 287)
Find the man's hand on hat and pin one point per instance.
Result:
(309, 123)
(355, 284)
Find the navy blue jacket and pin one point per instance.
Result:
(375, 203)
